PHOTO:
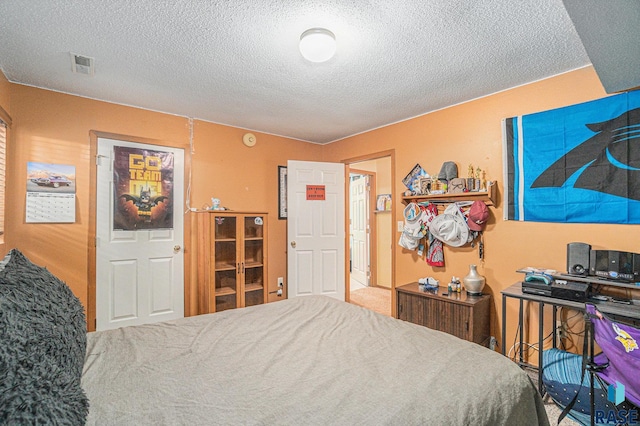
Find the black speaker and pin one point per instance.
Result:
(578, 258)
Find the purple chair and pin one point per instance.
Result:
(617, 368)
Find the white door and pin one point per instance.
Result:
(315, 229)
(139, 230)
(359, 212)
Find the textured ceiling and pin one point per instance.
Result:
(237, 62)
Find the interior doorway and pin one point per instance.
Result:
(361, 267)
(370, 278)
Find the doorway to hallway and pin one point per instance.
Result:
(370, 212)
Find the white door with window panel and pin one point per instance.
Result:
(139, 272)
(315, 229)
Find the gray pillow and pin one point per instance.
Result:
(42, 347)
(34, 389)
(4, 261)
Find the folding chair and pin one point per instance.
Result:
(616, 369)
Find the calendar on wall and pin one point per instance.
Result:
(51, 193)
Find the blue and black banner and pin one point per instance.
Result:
(578, 164)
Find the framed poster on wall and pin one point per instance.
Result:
(143, 185)
(383, 203)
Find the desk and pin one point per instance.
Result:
(615, 310)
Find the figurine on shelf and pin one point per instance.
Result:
(436, 186)
(476, 184)
(470, 179)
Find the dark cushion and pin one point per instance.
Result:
(42, 347)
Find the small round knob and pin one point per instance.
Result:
(293, 244)
(176, 249)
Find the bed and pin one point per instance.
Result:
(307, 360)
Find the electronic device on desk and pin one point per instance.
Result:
(537, 283)
(617, 265)
(543, 284)
(570, 290)
(613, 299)
(612, 267)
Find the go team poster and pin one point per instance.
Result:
(143, 184)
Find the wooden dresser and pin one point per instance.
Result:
(464, 316)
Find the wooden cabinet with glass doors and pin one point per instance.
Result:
(232, 260)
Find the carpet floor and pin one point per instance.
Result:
(378, 299)
(552, 409)
(553, 412)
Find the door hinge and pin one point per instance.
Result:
(98, 161)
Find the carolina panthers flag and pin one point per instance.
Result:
(578, 164)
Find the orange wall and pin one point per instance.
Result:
(246, 179)
(52, 127)
(5, 95)
(472, 133)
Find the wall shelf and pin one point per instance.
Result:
(487, 196)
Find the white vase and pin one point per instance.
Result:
(473, 282)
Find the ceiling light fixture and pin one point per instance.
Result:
(317, 44)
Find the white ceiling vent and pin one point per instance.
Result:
(82, 64)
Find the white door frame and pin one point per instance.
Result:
(348, 162)
(91, 243)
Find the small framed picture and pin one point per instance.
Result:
(424, 185)
(282, 192)
(383, 203)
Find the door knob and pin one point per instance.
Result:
(293, 244)
(176, 249)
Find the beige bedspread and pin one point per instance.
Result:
(304, 361)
